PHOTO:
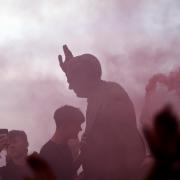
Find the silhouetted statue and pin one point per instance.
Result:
(164, 142)
(112, 146)
(56, 151)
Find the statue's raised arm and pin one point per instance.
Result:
(68, 56)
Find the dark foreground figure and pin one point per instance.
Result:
(164, 143)
(111, 146)
(40, 169)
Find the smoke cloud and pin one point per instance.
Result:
(132, 39)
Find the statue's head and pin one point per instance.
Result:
(83, 72)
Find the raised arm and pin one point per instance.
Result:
(68, 56)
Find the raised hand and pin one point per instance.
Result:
(68, 56)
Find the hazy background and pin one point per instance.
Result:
(132, 38)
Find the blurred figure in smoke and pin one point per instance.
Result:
(17, 149)
(160, 90)
(56, 151)
(40, 168)
(164, 142)
(152, 104)
(111, 148)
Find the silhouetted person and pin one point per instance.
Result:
(160, 89)
(164, 140)
(17, 149)
(56, 151)
(112, 146)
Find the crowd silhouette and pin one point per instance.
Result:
(111, 148)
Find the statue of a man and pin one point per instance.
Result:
(113, 146)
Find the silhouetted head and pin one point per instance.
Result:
(163, 138)
(17, 144)
(83, 72)
(69, 119)
(164, 141)
(166, 123)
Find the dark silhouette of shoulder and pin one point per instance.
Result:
(59, 157)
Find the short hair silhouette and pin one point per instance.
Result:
(68, 115)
